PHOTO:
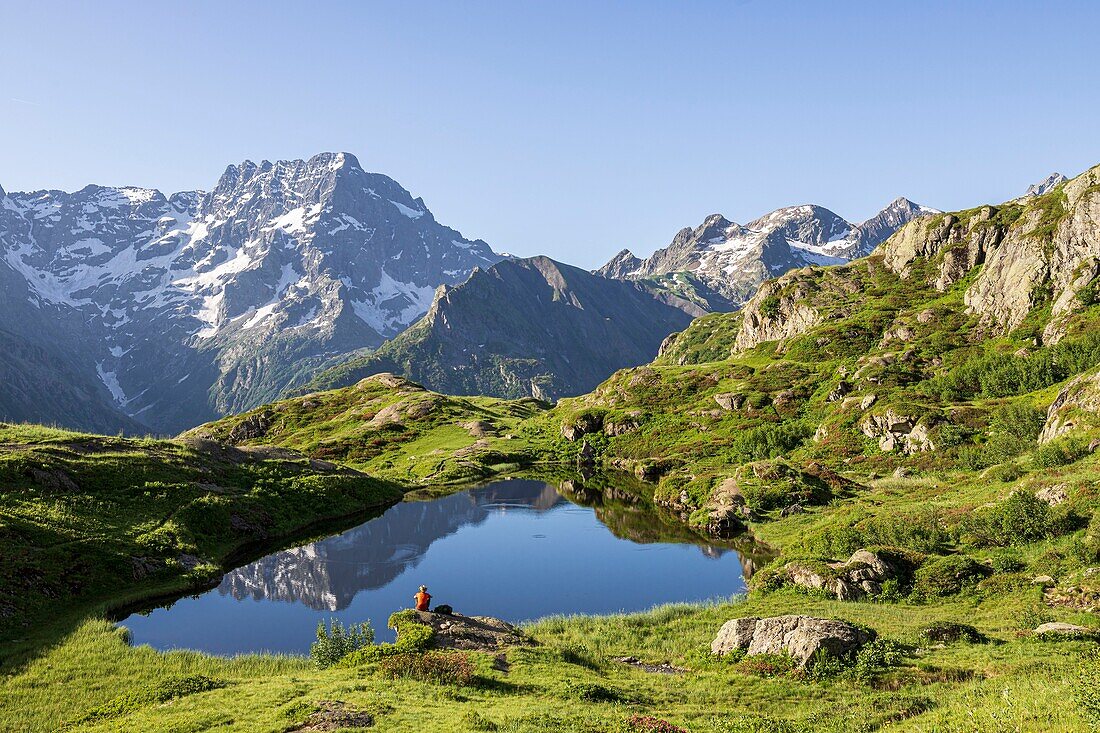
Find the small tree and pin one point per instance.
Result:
(337, 641)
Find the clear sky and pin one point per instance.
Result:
(566, 128)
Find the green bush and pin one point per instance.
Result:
(1018, 520)
(949, 631)
(591, 692)
(945, 576)
(1059, 452)
(338, 641)
(1091, 541)
(768, 441)
(1018, 420)
(874, 658)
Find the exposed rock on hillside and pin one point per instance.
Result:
(1077, 406)
(861, 575)
(472, 633)
(799, 636)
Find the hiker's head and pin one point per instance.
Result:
(423, 589)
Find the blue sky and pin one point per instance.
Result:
(568, 128)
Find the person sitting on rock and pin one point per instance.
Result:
(422, 598)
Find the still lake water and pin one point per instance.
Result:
(516, 549)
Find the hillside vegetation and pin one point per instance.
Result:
(912, 435)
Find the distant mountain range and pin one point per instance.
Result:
(732, 260)
(171, 310)
(123, 309)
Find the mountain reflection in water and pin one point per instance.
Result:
(516, 549)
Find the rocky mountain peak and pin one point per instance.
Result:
(280, 261)
(1046, 185)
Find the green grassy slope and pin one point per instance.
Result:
(89, 522)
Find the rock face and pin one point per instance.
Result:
(862, 575)
(799, 636)
(1045, 244)
(526, 328)
(733, 260)
(181, 308)
(779, 310)
(1077, 406)
(473, 633)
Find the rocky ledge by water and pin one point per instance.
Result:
(470, 633)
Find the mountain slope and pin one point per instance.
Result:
(197, 304)
(733, 260)
(526, 327)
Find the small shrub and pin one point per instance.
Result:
(441, 668)
(1004, 583)
(767, 665)
(875, 658)
(950, 632)
(476, 721)
(1059, 452)
(1007, 564)
(650, 724)
(1020, 519)
(338, 641)
(1018, 420)
(591, 692)
(823, 666)
(945, 576)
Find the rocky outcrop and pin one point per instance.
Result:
(895, 431)
(1076, 407)
(862, 575)
(1059, 628)
(779, 310)
(473, 633)
(801, 637)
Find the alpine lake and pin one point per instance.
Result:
(516, 549)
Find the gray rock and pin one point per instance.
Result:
(799, 636)
(1052, 495)
(1059, 628)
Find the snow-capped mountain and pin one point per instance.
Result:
(733, 259)
(189, 306)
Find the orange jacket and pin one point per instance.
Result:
(422, 600)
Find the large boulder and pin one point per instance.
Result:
(799, 636)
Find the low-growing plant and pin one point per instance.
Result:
(338, 641)
(950, 632)
(874, 658)
(945, 576)
(438, 667)
(161, 692)
(591, 692)
(1087, 692)
(1020, 519)
(1059, 452)
(650, 724)
(767, 665)
(476, 721)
